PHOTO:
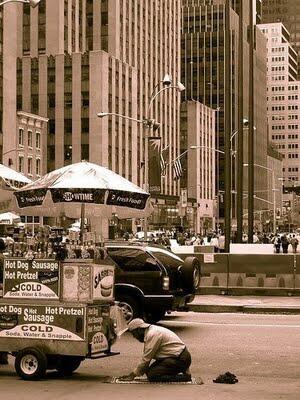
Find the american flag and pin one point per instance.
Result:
(163, 163)
(177, 168)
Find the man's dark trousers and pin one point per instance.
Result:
(166, 368)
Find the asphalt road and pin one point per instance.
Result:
(262, 350)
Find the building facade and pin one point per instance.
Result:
(287, 12)
(290, 216)
(203, 63)
(30, 140)
(283, 99)
(76, 58)
(198, 141)
(274, 188)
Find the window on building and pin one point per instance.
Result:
(26, 28)
(85, 152)
(51, 100)
(85, 99)
(68, 100)
(29, 166)
(51, 126)
(21, 137)
(42, 27)
(38, 140)
(68, 152)
(21, 163)
(85, 125)
(34, 103)
(68, 125)
(29, 138)
(38, 166)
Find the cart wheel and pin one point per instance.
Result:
(31, 364)
(66, 365)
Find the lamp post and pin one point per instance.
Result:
(251, 39)
(208, 148)
(149, 123)
(237, 165)
(32, 3)
(245, 128)
(273, 190)
(167, 85)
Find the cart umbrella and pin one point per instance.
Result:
(102, 191)
(10, 180)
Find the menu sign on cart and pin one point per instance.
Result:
(42, 322)
(97, 320)
(28, 279)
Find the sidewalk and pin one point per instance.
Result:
(246, 304)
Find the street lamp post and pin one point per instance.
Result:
(150, 124)
(227, 127)
(32, 3)
(251, 39)
(208, 148)
(273, 190)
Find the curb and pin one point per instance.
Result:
(247, 309)
(247, 291)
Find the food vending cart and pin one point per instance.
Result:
(55, 314)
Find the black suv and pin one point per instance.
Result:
(151, 280)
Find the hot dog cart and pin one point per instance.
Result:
(55, 314)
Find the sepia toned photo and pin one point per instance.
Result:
(150, 199)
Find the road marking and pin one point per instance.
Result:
(229, 324)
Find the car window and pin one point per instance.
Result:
(133, 260)
(166, 259)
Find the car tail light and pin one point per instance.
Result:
(166, 283)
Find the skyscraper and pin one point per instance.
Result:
(203, 61)
(287, 12)
(77, 58)
(283, 99)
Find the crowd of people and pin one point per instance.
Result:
(282, 242)
(182, 238)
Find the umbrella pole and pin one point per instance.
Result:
(82, 216)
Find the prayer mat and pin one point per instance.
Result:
(144, 381)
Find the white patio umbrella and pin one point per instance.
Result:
(9, 218)
(10, 180)
(102, 192)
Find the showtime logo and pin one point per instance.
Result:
(86, 197)
(68, 196)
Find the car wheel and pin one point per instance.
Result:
(66, 365)
(31, 364)
(190, 272)
(129, 307)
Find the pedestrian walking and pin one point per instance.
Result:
(215, 242)
(222, 243)
(285, 244)
(265, 239)
(277, 243)
(199, 241)
(294, 242)
(171, 357)
(255, 238)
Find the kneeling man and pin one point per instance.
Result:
(171, 357)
